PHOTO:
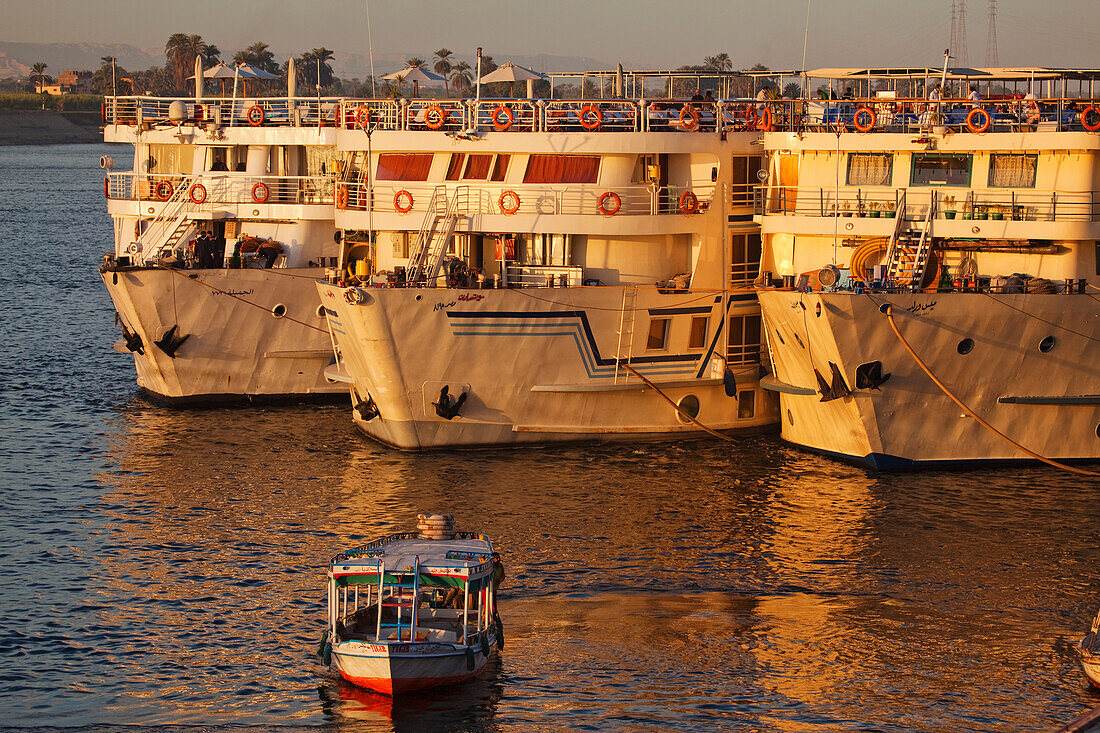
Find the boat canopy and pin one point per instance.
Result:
(446, 563)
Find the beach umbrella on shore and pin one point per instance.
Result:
(514, 72)
(416, 75)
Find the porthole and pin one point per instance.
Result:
(780, 337)
(1098, 431)
(279, 310)
(1047, 344)
(418, 297)
(965, 346)
(688, 404)
(790, 417)
(320, 311)
(799, 340)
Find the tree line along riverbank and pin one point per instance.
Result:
(43, 119)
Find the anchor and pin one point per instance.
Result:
(133, 340)
(836, 390)
(870, 376)
(170, 343)
(448, 407)
(367, 409)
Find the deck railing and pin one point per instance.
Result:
(1015, 205)
(244, 112)
(219, 189)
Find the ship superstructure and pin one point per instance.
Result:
(919, 245)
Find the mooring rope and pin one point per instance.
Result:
(670, 401)
(890, 317)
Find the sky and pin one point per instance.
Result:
(650, 34)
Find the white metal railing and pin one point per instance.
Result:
(241, 112)
(532, 198)
(212, 189)
(914, 202)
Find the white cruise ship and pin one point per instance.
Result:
(930, 268)
(522, 271)
(221, 227)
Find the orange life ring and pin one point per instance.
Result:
(689, 117)
(164, 190)
(397, 197)
(615, 203)
(509, 117)
(362, 116)
(864, 113)
(439, 120)
(341, 197)
(750, 117)
(197, 193)
(255, 115)
(764, 122)
(983, 125)
(689, 202)
(1094, 112)
(260, 192)
(590, 117)
(103, 113)
(513, 202)
(106, 189)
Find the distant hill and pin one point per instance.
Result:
(17, 58)
(347, 65)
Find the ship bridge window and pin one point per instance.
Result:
(744, 340)
(543, 168)
(658, 334)
(935, 169)
(477, 167)
(870, 169)
(1012, 170)
(404, 166)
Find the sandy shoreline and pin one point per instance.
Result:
(46, 127)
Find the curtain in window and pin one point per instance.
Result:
(562, 169)
(869, 169)
(454, 168)
(1012, 171)
(500, 167)
(403, 166)
(477, 167)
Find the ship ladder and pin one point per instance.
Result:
(169, 226)
(439, 244)
(907, 257)
(625, 346)
(418, 255)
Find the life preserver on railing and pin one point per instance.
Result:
(764, 123)
(864, 119)
(400, 196)
(972, 120)
(197, 193)
(255, 115)
(590, 117)
(106, 189)
(435, 117)
(164, 190)
(1094, 112)
(508, 202)
(341, 197)
(200, 113)
(509, 117)
(689, 117)
(260, 192)
(362, 116)
(103, 113)
(750, 117)
(689, 202)
(609, 203)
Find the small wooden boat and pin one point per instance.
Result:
(414, 610)
(1089, 649)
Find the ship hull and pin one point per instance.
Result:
(536, 366)
(251, 335)
(374, 667)
(987, 349)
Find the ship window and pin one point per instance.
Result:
(744, 340)
(870, 169)
(965, 346)
(1047, 344)
(744, 177)
(500, 167)
(658, 334)
(454, 168)
(404, 166)
(562, 169)
(689, 405)
(933, 169)
(1012, 171)
(477, 167)
(746, 403)
(698, 338)
(744, 258)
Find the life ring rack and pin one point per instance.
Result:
(978, 127)
(400, 196)
(512, 205)
(255, 115)
(509, 117)
(197, 193)
(689, 202)
(612, 198)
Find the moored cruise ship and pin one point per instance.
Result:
(521, 271)
(221, 227)
(929, 273)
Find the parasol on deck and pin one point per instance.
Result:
(416, 75)
(514, 72)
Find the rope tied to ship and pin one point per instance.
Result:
(670, 401)
(888, 312)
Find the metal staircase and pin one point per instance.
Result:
(907, 255)
(169, 227)
(435, 236)
(626, 331)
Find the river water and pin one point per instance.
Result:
(166, 567)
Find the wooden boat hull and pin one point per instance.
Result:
(403, 668)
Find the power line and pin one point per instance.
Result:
(991, 36)
(962, 57)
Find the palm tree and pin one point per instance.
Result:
(259, 56)
(443, 66)
(719, 62)
(181, 51)
(315, 63)
(415, 61)
(39, 76)
(461, 77)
